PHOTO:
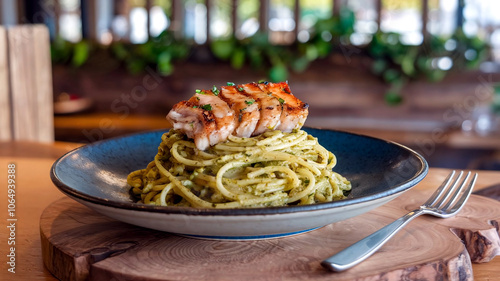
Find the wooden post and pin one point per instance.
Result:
(234, 16)
(263, 15)
(122, 8)
(89, 29)
(336, 7)
(460, 13)
(177, 18)
(209, 8)
(425, 18)
(1, 13)
(296, 15)
(57, 15)
(173, 15)
(149, 4)
(20, 11)
(378, 7)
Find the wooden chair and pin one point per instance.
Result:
(26, 97)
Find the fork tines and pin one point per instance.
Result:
(452, 193)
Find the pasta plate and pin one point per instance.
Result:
(95, 175)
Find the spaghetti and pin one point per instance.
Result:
(271, 169)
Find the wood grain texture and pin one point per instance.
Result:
(5, 118)
(78, 243)
(43, 83)
(490, 192)
(24, 108)
(31, 83)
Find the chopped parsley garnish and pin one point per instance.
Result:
(230, 84)
(198, 91)
(263, 82)
(207, 107)
(250, 101)
(282, 101)
(240, 89)
(195, 106)
(215, 91)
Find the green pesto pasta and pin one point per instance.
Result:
(272, 169)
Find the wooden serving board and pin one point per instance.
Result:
(80, 244)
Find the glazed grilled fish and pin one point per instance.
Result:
(211, 116)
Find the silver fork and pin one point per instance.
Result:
(441, 204)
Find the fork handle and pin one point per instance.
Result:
(365, 247)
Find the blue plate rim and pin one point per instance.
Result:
(402, 187)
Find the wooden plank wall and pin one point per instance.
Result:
(43, 81)
(30, 97)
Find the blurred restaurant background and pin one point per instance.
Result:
(423, 73)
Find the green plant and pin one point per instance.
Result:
(257, 52)
(495, 103)
(398, 63)
(160, 52)
(63, 51)
(279, 60)
(395, 62)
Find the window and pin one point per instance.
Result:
(281, 23)
(247, 15)
(366, 14)
(403, 17)
(70, 20)
(285, 21)
(310, 12)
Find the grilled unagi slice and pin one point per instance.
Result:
(211, 116)
(205, 117)
(294, 111)
(269, 106)
(246, 109)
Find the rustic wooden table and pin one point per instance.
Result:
(31, 162)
